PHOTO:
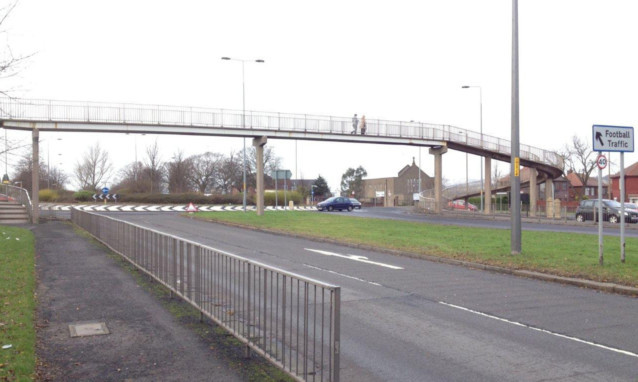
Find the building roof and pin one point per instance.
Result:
(629, 171)
(575, 181)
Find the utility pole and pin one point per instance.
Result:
(515, 180)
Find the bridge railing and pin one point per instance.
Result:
(113, 113)
(291, 320)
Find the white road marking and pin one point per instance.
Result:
(341, 274)
(625, 352)
(362, 259)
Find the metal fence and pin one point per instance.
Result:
(19, 195)
(111, 113)
(291, 320)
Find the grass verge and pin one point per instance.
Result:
(218, 339)
(563, 254)
(17, 304)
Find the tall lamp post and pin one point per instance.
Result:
(243, 114)
(515, 180)
(481, 110)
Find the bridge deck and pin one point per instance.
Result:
(48, 115)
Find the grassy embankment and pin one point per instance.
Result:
(17, 304)
(564, 254)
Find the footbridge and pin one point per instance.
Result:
(72, 116)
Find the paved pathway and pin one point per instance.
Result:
(79, 282)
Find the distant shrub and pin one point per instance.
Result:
(48, 195)
(269, 198)
(83, 196)
(181, 198)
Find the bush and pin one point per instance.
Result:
(48, 195)
(269, 198)
(83, 196)
(181, 198)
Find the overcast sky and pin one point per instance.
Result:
(399, 60)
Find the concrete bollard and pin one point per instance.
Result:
(291, 205)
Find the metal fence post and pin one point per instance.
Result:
(336, 337)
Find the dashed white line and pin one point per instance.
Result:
(341, 274)
(625, 352)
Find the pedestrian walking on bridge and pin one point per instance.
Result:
(364, 127)
(355, 123)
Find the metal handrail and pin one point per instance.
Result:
(291, 320)
(187, 116)
(20, 195)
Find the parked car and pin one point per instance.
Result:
(631, 206)
(355, 203)
(460, 205)
(336, 203)
(611, 211)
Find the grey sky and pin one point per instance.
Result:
(400, 60)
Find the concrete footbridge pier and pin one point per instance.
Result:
(72, 116)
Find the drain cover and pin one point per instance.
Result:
(88, 329)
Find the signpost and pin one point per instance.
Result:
(281, 174)
(613, 139)
(601, 162)
(105, 192)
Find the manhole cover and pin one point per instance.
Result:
(88, 329)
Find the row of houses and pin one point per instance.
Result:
(400, 190)
(568, 188)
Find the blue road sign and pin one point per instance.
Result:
(105, 190)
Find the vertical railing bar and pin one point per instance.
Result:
(283, 321)
(290, 334)
(305, 338)
(297, 330)
(277, 317)
(331, 345)
(271, 309)
(336, 330)
(265, 323)
(314, 331)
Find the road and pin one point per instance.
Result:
(412, 320)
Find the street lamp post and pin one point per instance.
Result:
(243, 114)
(481, 117)
(515, 180)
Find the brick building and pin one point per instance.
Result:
(631, 184)
(398, 190)
(589, 191)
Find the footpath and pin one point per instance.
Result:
(79, 283)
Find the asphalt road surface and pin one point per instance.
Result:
(405, 319)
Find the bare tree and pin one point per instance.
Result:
(154, 170)
(580, 160)
(23, 171)
(496, 176)
(56, 178)
(230, 174)
(131, 179)
(205, 172)
(94, 169)
(178, 171)
(10, 63)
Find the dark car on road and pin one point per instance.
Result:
(611, 211)
(355, 203)
(336, 203)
